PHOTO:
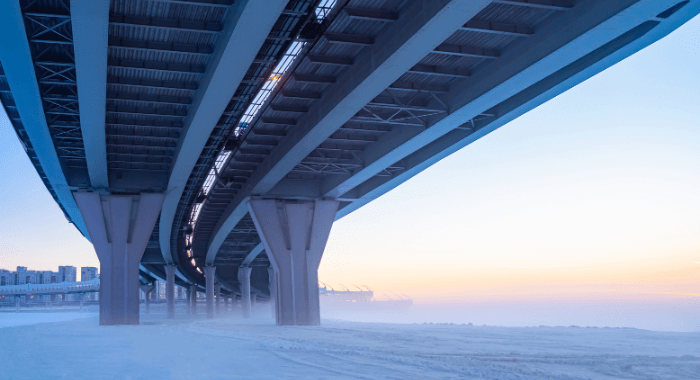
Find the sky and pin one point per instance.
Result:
(591, 196)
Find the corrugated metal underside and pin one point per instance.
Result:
(158, 54)
(405, 103)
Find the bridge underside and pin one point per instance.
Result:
(222, 105)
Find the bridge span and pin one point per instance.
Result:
(213, 143)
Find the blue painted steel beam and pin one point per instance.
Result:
(523, 102)
(423, 26)
(565, 39)
(19, 69)
(246, 29)
(253, 254)
(90, 21)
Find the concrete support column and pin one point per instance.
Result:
(193, 292)
(272, 285)
(209, 277)
(170, 289)
(147, 289)
(188, 301)
(244, 280)
(217, 295)
(294, 234)
(81, 297)
(119, 228)
(225, 304)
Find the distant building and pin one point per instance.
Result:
(88, 273)
(67, 274)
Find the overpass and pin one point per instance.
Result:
(213, 143)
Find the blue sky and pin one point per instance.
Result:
(595, 191)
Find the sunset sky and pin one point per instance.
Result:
(595, 194)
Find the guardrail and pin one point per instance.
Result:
(53, 288)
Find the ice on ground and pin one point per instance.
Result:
(10, 319)
(229, 347)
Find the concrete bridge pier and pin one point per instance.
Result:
(81, 297)
(17, 303)
(217, 296)
(170, 289)
(244, 280)
(209, 277)
(119, 227)
(193, 299)
(188, 300)
(294, 234)
(273, 290)
(225, 303)
(147, 289)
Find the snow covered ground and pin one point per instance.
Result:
(229, 347)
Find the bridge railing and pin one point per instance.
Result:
(53, 288)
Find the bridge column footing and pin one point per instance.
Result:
(119, 227)
(294, 234)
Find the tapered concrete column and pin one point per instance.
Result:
(225, 304)
(244, 280)
(189, 300)
(193, 291)
(147, 289)
(209, 276)
(170, 289)
(217, 295)
(294, 234)
(273, 290)
(119, 228)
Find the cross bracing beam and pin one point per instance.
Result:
(164, 84)
(166, 24)
(555, 5)
(408, 86)
(311, 78)
(124, 43)
(439, 71)
(208, 3)
(422, 26)
(466, 51)
(117, 120)
(498, 28)
(301, 94)
(330, 60)
(565, 39)
(371, 14)
(244, 33)
(156, 66)
(149, 98)
(352, 39)
(19, 70)
(289, 108)
(152, 111)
